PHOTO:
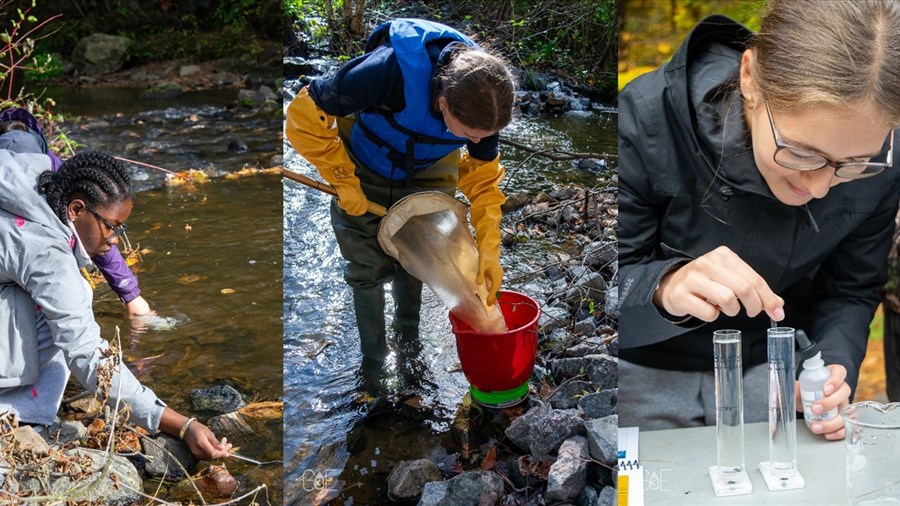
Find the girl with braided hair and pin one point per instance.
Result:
(21, 132)
(51, 224)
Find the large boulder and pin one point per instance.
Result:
(100, 53)
(121, 484)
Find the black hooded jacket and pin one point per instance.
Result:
(689, 183)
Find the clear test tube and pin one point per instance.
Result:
(780, 472)
(729, 476)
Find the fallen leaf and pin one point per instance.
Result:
(490, 459)
(188, 279)
(187, 227)
(228, 291)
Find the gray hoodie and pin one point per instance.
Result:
(39, 270)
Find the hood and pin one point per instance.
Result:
(712, 111)
(18, 190)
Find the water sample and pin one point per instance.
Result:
(780, 472)
(729, 477)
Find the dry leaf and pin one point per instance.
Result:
(490, 459)
(228, 291)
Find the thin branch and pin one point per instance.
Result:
(555, 154)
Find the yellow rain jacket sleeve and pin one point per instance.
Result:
(479, 181)
(314, 134)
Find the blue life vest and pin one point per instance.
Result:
(396, 144)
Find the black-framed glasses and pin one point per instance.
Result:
(792, 157)
(116, 230)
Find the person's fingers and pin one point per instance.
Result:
(752, 290)
(838, 375)
(697, 307)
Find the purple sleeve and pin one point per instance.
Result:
(120, 278)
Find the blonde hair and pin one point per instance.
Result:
(479, 89)
(836, 52)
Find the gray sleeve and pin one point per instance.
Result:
(50, 274)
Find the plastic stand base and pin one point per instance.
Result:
(781, 479)
(730, 483)
(500, 399)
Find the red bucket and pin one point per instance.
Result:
(498, 366)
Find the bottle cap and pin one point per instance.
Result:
(808, 348)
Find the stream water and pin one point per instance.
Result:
(212, 261)
(338, 446)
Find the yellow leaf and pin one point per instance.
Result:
(228, 291)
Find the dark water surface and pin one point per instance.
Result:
(337, 447)
(213, 265)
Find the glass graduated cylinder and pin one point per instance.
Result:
(729, 401)
(782, 402)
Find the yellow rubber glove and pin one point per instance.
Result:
(479, 181)
(314, 134)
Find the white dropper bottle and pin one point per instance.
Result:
(812, 380)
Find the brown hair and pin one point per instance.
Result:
(479, 89)
(836, 52)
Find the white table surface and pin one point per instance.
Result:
(676, 468)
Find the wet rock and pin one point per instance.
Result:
(586, 288)
(590, 346)
(119, 487)
(294, 67)
(613, 347)
(603, 371)
(67, 431)
(30, 439)
(409, 477)
(607, 497)
(216, 483)
(569, 214)
(599, 253)
(237, 146)
(554, 318)
(542, 430)
(600, 404)
(188, 70)
(587, 497)
(515, 201)
(602, 437)
(564, 397)
(483, 488)
(219, 398)
(568, 474)
(162, 91)
(542, 198)
(611, 304)
(100, 53)
(563, 193)
(586, 327)
(88, 405)
(167, 456)
(523, 499)
(226, 79)
(591, 164)
(253, 420)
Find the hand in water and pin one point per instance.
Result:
(138, 307)
(717, 282)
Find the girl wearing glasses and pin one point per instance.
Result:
(756, 186)
(51, 224)
(21, 132)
